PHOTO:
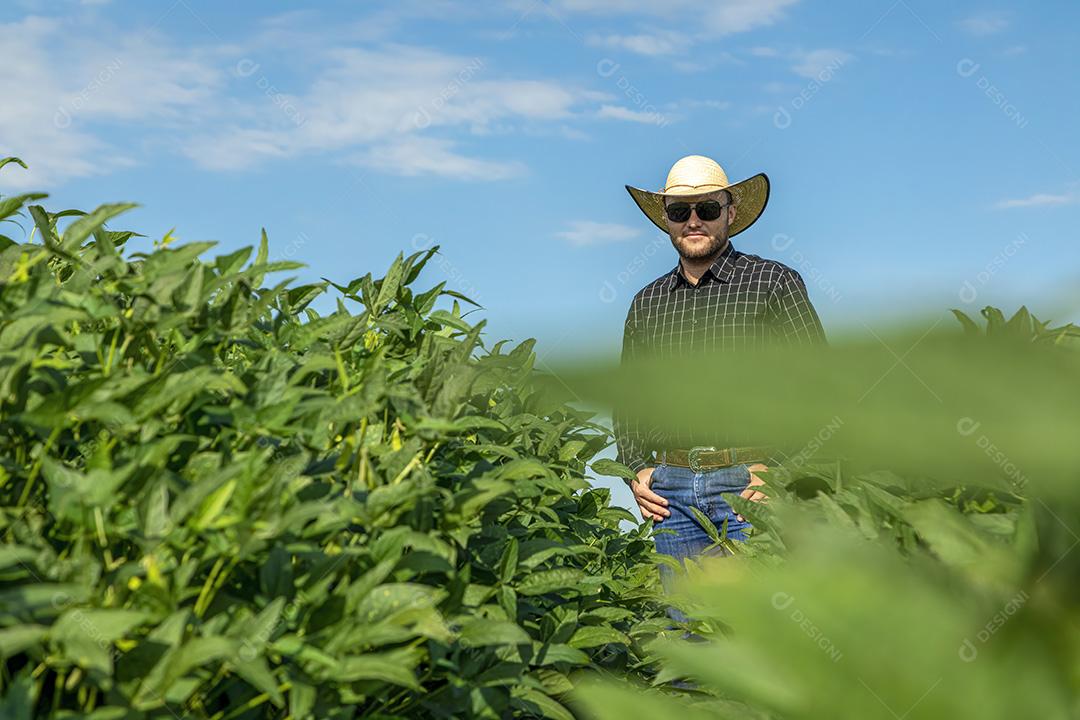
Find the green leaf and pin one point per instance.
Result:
(416, 262)
(86, 635)
(884, 499)
(102, 625)
(390, 599)
(260, 258)
(10, 205)
(20, 696)
(14, 640)
(559, 653)
(572, 449)
(258, 630)
(970, 328)
(39, 599)
(199, 652)
(509, 560)
(395, 667)
(995, 320)
(213, 507)
(15, 555)
(546, 581)
(613, 701)
(44, 225)
(81, 229)
(481, 631)
(301, 699)
(256, 672)
(589, 636)
(17, 161)
(442, 317)
(706, 524)
(949, 535)
(390, 285)
(605, 466)
(230, 264)
(535, 703)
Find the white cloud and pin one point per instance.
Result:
(779, 88)
(651, 44)
(735, 16)
(1041, 200)
(711, 104)
(383, 103)
(59, 83)
(983, 24)
(715, 18)
(719, 17)
(815, 62)
(226, 106)
(304, 29)
(618, 112)
(891, 52)
(81, 99)
(434, 156)
(587, 232)
(705, 63)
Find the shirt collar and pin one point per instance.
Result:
(723, 268)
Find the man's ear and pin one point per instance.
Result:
(732, 211)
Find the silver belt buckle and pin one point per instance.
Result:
(695, 452)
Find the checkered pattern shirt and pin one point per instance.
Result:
(742, 301)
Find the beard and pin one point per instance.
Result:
(713, 247)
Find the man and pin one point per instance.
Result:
(715, 299)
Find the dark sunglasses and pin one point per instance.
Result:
(706, 211)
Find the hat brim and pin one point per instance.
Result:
(750, 196)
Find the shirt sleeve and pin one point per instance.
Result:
(629, 439)
(795, 321)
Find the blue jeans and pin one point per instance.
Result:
(683, 489)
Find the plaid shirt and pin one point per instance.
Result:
(741, 301)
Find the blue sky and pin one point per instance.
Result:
(923, 155)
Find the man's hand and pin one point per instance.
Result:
(652, 506)
(750, 493)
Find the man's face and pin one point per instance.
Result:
(697, 238)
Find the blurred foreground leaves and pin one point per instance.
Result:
(918, 556)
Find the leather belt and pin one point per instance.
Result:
(704, 457)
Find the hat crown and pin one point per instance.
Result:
(695, 174)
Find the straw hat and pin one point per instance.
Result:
(695, 175)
